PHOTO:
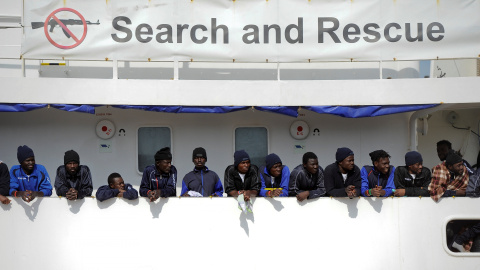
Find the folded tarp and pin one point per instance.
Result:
(343, 111)
(367, 111)
(25, 107)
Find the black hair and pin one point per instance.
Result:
(307, 156)
(166, 149)
(113, 176)
(444, 142)
(378, 154)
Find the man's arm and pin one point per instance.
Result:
(45, 185)
(473, 185)
(105, 193)
(170, 189)
(293, 185)
(4, 179)
(130, 193)
(262, 192)
(285, 181)
(255, 182)
(330, 184)
(319, 188)
(60, 184)
(229, 183)
(365, 186)
(218, 187)
(184, 188)
(145, 183)
(390, 183)
(86, 186)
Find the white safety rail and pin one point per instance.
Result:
(173, 233)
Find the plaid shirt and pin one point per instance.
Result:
(441, 181)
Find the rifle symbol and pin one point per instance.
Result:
(52, 23)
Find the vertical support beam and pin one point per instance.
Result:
(380, 69)
(23, 67)
(115, 69)
(278, 71)
(432, 69)
(175, 70)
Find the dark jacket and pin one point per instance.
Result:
(279, 182)
(301, 180)
(473, 188)
(153, 179)
(372, 178)
(106, 192)
(413, 187)
(233, 181)
(4, 179)
(203, 181)
(81, 181)
(334, 183)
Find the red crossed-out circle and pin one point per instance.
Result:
(64, 27)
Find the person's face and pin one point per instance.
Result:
(442, 152)
(72, 167)
(348, 163)
(27, 164)
(243, 166)
(456, 168)
(199, 162)
(311, 166)
(415, 168)
(163, 165)
(276, 170)
(118, 183)
(382, 165)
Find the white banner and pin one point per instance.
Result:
(251, 30)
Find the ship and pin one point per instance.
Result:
(115, 82)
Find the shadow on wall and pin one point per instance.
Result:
(187, 73)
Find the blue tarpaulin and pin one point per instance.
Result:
(367, 111)
(343, 111)
(20, 107)
(184, 109)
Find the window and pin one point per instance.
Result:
(150, 140)
(466, 231)
(254, 140)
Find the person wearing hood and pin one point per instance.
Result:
(274, 177)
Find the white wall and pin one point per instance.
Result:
(51, 132)
(201, 233)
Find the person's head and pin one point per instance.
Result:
(26, 158)
(443, 147)
(115, 181)
(241, 161)
(345, 159)
(71, 159)
(381, 161)
(414, 162)
(310, 162)
(273, 163)
(163, 160)
(199, 157)
(454, 162)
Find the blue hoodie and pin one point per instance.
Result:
(38, 180)
(372, 178)
(281, 181)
